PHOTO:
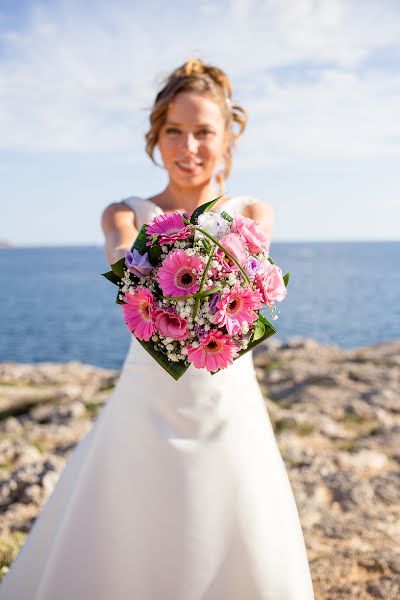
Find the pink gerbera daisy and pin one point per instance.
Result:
(237, 305)
(170, 228)
(179, 274)
(216, 351)
(138, 313)
(235, 245)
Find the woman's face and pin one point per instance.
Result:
(193, 139)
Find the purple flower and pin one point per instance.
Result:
(213, 302)
(137, 264)
(199, 331)
(251, 267)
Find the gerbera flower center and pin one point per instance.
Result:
(185, 278)
(145, 310)
(212, 346)
(234, 306)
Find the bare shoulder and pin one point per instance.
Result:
(259, 211)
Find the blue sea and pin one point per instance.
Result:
(55, 306)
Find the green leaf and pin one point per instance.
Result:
(203, 208)
(141, 240)
(111, 276)
(226, 216)
(286, 279)
(119, 267)
(207, 245)
(270, 260)
(117, 300)
(175, 369)
(269, 330)
(155, 253)
(259, 330)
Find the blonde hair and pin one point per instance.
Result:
(196, 76)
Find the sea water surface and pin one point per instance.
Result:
(55, 306)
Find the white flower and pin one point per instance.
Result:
(232, 278)
(245, 327)
(213, 223)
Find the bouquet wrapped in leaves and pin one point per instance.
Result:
(192, 288)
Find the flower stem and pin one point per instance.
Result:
(197, 301)
(225, 251)
(196, 295)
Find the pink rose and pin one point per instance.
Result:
(235, 245)
(252, 233)
(269, 280)
(170, 324)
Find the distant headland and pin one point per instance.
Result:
(6, 244)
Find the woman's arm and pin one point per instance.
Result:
(118, 223)
(262, 213)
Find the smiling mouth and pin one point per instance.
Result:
(188, 167)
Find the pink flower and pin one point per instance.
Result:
(269, 280)
(234, 244)
(179, 273)
(237, 305)
(216, 351)
(170, 324)
(252, 233)
(170, 228)
(138, 313)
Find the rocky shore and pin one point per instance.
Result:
(336, 415)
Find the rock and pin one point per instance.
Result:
(11, 425)
(16, 451)
(365, 460)
(387, 588)
(26, 482)
(69, 392)
(387, 488)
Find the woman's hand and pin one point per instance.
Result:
(118, 223)
(262, 213)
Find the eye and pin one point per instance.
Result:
(205, 132)
(172, 130)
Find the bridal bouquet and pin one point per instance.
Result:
(192, 288)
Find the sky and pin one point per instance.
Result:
(320, 81)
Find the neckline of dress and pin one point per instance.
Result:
(163, 212)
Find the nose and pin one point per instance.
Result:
(189, 142)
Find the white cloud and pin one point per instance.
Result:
(80, 80)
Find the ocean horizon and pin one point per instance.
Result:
(56, 307)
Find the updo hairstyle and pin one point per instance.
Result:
(196, 76)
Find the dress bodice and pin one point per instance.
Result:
(145, 210)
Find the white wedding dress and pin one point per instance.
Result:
(177, 492)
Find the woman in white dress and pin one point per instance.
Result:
(179, 491)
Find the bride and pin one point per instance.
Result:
(178, 491)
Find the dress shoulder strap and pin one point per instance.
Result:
(144, 210)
